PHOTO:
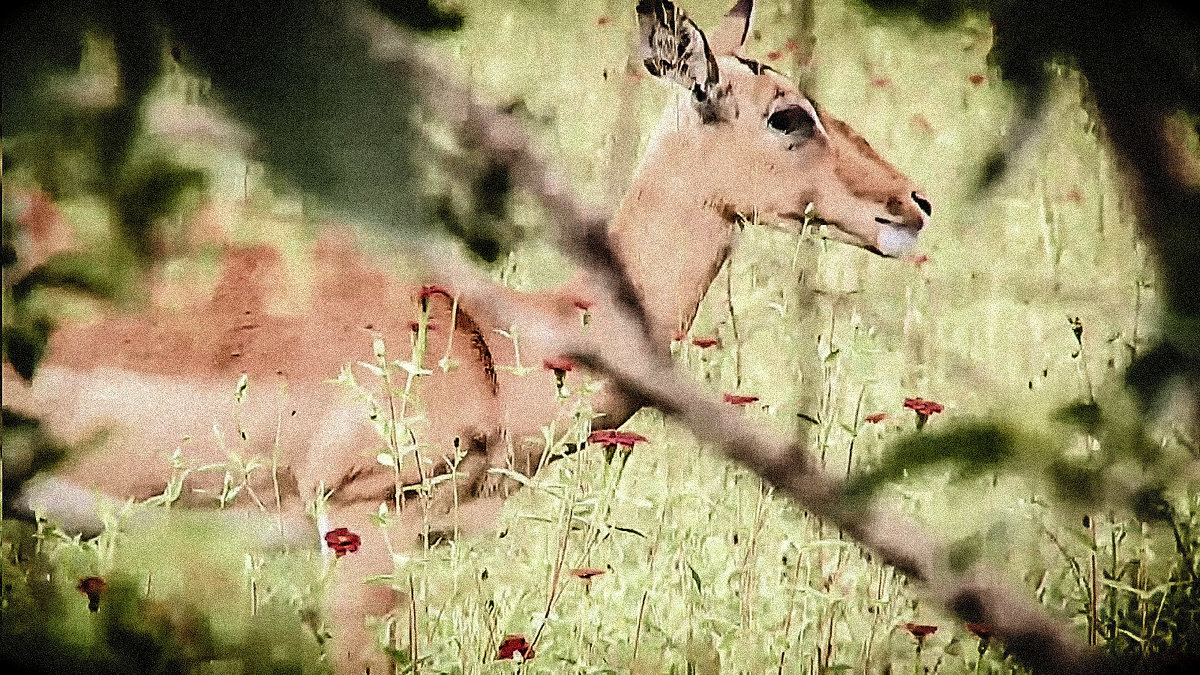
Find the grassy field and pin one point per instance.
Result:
(703, 569)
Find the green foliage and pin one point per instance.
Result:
(146, 194)
(142, 622)
(28, 450)
(968, 448)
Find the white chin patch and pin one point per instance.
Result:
(896, 241)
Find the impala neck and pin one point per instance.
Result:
(672, 241)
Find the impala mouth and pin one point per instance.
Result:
(896, 241)
(893, 241)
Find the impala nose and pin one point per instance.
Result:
(912, 214)
(923, 203)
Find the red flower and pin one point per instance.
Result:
(922, 407)
(774, 55)
(586, 573)
(603, 21)
(920, 630)
(559, 364)
(740, 399)
(342, 541)
(581, 303)
(679, 336)
(876, 418)
(512, 645)
(92, 587)
(613, 437)
(977, 78)
(983, 631)
(430, 290)
(704, 342)
(918, 259)
(881, 81)
(791, 45)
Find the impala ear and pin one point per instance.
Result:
(730, 34)
(674, 48)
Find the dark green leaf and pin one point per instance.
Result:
(25, 344)
(970, 448)
(1083, 415)
(77, 271)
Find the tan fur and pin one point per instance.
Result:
(156, 379)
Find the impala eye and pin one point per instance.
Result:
(793, 121)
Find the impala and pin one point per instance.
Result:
(742, 142)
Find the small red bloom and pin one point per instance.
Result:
(977, 78)
(342, 541)
(918, 259)
(92, 587)
(1074, 196)
(428, 291)
(586, 573)
(704, 342)
(983, 631)
(920, 630)
(876, 418)
(791, 45)
(774, 55)
(512, 645)
(613, 437)
(603, 21)
(559, 364)
(679, 336)
(740, 399)
(881, 81)
(581, 303)
(923, 407)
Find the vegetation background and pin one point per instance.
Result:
(1023, 309)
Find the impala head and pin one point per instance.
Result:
(760, 146)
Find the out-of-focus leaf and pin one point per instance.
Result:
(1116, 423)
(964, 553)
(28, 449)
(1076, 482)
(1151, 373)
(970, 448)
(72, 270)
(331, 117)
(39, 39)
(25, 344)
(1150, 506)
(147, 194)
(419, 15)
(138, 45)
(1084, 415)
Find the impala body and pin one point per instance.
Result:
(742, 143)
